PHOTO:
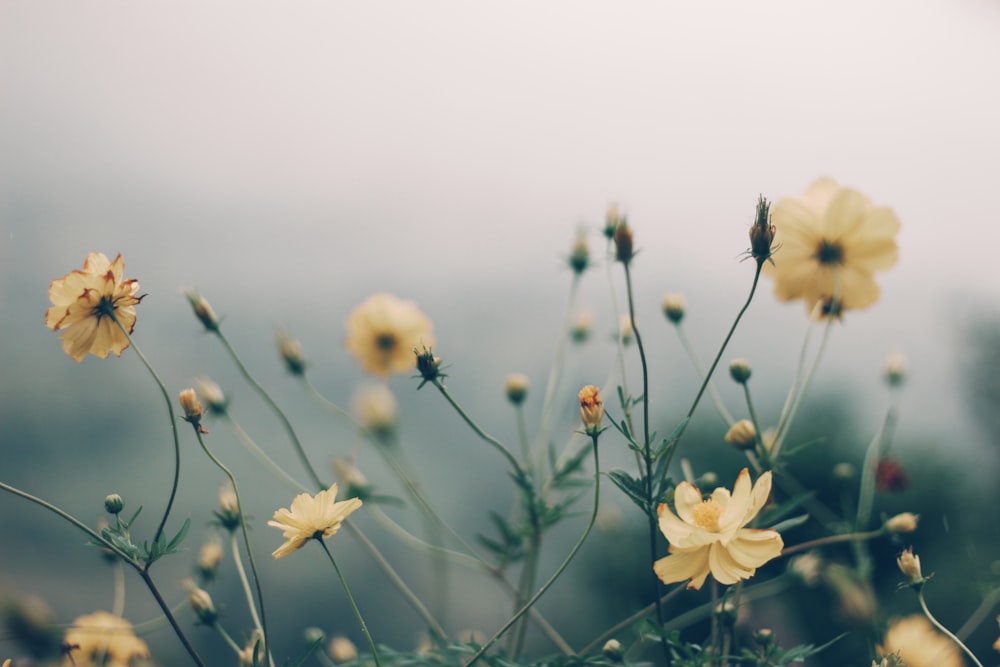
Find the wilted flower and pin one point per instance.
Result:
(516, 387)
(708, 536)
(674, 307)
(103, 639)
(905, 522)
(311, 517)
(591, 409)
(833, 240)
(83, 303)
(761, 232)
(376, 408)
(909, 565)
(383, 331)
(191, 405)
(341, 650)
(919, 644)
(742, 434)
(113, 503)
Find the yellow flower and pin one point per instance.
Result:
(311, 517)
(383, 332)
(82, 302)
(103, 639)
(708, 536)
(832, 241)
(919, 644)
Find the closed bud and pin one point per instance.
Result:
(612, 219)
(580, 329)
(203, 310)
(742, 434)
(764, 636)
(739, 370)
(376, 408)
(612, 650)
(211, 395)
(516, 386)
(229, 509)
(113, 503)
(591, 410)
(201, 603)
(291, 353)
(623, 242)
(192, 408)
(902, 523)
(341, 650)
(909, 565)
(579, 257)
(209, 558)
(673, 307)
(894, 370)
(762, 232)
(626, 334)
(428, 366)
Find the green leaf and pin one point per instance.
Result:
(788, 524)
(630, 486)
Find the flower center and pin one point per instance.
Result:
(830, 253)
(386, 342)
(707, 515)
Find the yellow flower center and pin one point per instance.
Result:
(830, 252)
(707, 515)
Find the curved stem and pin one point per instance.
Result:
(786, 423)
(118, 605)
(634, 618)
(173, 427)
(831, 539)
(541, 591)
(234, 547)
(296, 444)
(489, 439)
(144, 573)
(948, 633)
(354, 605)
(262, 456)
(246, 539)
(720, 407)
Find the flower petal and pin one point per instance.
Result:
(752, 548)
(686, 498)
(684, 564)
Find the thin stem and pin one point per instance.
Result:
(634, 618)
(831, 539)
(980, 614)
(173, 427)
(118, 605)
(522, 434)
(758, 434)
(144, 573)
(712, 392)
(354, 606)
(944, 630)
(296, 444)
(246, 539)
(541, 591)
(234, 546)
(262, 456)
(227, 638)
(489, 439)
(785, 424)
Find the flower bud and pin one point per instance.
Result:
(894, 370)
(591, 410)
(742, 434)
(516, 386)
(623, 242)
(229, 509)
(612, 219)
(192, 408)
(579, 257)
(580, 329)
(902, 523)
(673, 307)
(909, 565)
(739, 370)
(211, 395)
(626, 334)
(376, 408)
(291, 353)
(808, 567)
(764, 636)
(428, 366)
(353, 480)
(612, 650)
(209, 558)
(203, 310)
(113, 503)
(341, 650)
(201, 602)
(762, 232)
(313, 635)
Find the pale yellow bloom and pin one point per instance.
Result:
(909, 565)
(591, 409)
(832, 241)
(906, 522)
(708, 536)
(103, 639)
(383, 332)
(82, 303)
(341, 649)
(311, 517)
(742, 434)
(919, 644)
(376, 408)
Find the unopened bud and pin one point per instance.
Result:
(902, 523)
(764, 636)
(313, 635)
(909, 565)
(191, 406)
(742, 434)
(113, 503)
(674, 307)
(516, 386)
(428, 366)
(229, 509)
(203, 310)
(376, 408)
(626, 334)
(580, 329)
(591, 410)
(341, 650)
(209, 558)
(201, 602)
(612, 219)
(211, 395)
(623, 242)
(739, 370)
(291, 353)
(612, 650)
(761, 232)
(894, 369)
(579, 257)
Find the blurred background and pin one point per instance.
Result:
(290, 159)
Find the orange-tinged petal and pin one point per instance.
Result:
(684, 564)
(753, 547)
(686, 498)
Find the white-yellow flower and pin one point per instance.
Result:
(384, 330)
(102, 639)
(919, 644)
(831, 240)
(82, 304)
(311, 517)
(708, 536)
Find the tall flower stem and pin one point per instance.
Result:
(483, 435)
(720, 407)
(785, 424)
(234, 547)
(354, 605)
(832, 539)
(279, 413)
(141, 568)
(627, 622)
(541, 591)
(173, 425)
(246, 541)
(948, 633)
(118, 605)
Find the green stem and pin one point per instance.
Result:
(144, 573)
(832, 539)
(785, 424)
(522, 435)
(489, 439)
(118, 605)
(541, 591)
(234, 546)
(712, 392)
(634, 618)
(354, 606)
(262, 456)
(296, 444)
(173, 427)
(227, 638)
(758, 435)
(944, 630)
(246, 538)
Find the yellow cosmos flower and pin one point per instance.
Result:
(383, 331)
(708, 536)
(82, 302)
(103, 639)
(311, 517)
(919, 644)
(832, 241)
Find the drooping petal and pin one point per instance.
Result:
(724, 567)
(684, 564)
(752, 547)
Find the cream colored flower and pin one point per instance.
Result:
(311, 517)
(708, 536)
(376, 408)
(383, 332)
(832, 241)
(103, 640)
(919, 644)
(82, 302)
(341, 649)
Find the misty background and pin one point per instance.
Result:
(288, 160)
